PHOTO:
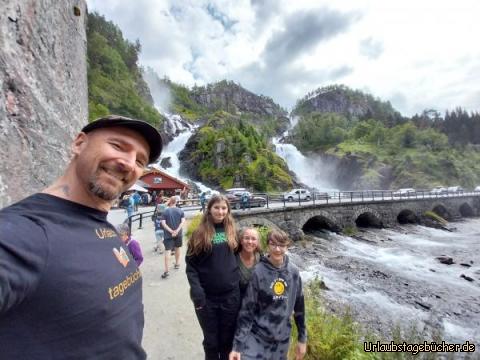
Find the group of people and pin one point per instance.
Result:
(243, 301)
(70, 286)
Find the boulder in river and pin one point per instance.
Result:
(445, 260)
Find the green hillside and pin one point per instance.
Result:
(115, 83)
(421, 153)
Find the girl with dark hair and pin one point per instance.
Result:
(212, 272)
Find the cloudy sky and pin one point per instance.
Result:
(418, 54)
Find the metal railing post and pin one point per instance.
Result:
(141, 221)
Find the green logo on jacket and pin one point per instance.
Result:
(219, 238)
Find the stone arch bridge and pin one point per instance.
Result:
(338, 216)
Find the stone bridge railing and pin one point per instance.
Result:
(336, 216)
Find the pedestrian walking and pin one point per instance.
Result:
(172, 222)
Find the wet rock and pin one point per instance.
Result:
(466, 265)
(423, 305)
(379, 274)
(468, 278)
(445, 260)
(432, 270)
(166, 162)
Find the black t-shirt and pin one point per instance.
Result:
(69, 288)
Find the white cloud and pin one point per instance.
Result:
(417, 54)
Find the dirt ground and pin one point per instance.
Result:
(171, 328)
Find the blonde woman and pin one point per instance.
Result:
(212, 272)
(248, 255)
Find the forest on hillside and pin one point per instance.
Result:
(115, 81)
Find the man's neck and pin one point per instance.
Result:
(72, 191)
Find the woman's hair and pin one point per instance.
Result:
(241, 233)
(201, 239)
(278, 237)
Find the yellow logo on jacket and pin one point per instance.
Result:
(279, 287)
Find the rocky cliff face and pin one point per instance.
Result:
(350, 103)
(233, 98)
(43, 100)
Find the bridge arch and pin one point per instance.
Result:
(466, 210)
(319, 222)
(442, 211)
(257, 221)
(319, 219)
(407, 216)
(367, 217)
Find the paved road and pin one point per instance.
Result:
(171, 328)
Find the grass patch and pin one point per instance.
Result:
(434, 216)
(193, 224)
(350, 230)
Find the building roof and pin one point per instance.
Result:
(165, 175)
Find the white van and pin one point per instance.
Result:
(404, 192)
(298, 194)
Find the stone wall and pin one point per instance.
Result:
(43, 99)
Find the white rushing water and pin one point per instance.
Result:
(309, 170)
(184, 130)
(390, 277)
(312, 172)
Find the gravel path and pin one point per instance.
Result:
(171, 329)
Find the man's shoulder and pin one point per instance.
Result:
(25, 209)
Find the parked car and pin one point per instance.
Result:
(439, 190)
(298, 194)
(210, 193)
(237, 191)
(404, 192)
(455, 189)
(253, 201)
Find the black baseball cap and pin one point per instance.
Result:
(148, 132)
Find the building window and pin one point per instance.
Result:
(157, 180)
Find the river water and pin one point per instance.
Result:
(390, 277)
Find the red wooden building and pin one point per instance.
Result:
(157, 180)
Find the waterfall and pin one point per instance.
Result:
(311, 171)
(176, 125)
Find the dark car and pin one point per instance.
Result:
(253, 201)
